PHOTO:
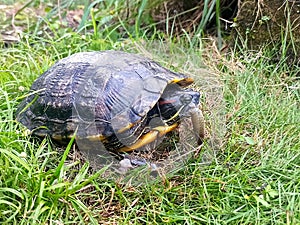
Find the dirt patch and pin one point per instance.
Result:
(17, 19)
(269, 22)
(14, 19)
(175, 16)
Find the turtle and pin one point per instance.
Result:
(123, 100)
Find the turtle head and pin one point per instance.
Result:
(176, 103)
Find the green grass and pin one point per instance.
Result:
(254, 179)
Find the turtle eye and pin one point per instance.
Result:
(186, 99)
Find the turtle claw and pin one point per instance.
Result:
(130, 163)
(138, 162)
(125, 165)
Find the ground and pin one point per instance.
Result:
(251, 106)
(269, 22)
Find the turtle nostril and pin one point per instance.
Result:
(186, 99)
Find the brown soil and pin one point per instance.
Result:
(269, 22)
(176, 16)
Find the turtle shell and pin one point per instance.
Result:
(102, 95)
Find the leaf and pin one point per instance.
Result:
(261, 201)
(246, 197)
(271, 192)
(249, 140)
